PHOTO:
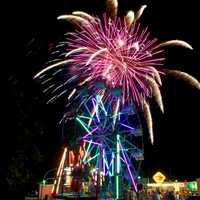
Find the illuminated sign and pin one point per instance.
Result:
(192, 186)
(158, 177)
(176, 185)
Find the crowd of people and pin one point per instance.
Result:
(144, 194)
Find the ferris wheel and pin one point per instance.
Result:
(112, 139)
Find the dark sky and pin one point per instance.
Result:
(32, 26)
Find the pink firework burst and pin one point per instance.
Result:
(123, 57)
(118, 52)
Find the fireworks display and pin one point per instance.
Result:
(118, 53)
(107, 70)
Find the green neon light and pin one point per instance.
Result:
(84, 117)
(98, 98)
(117, 187)
(87, 150)
(93, 157)
(192, 186)
(82, 124)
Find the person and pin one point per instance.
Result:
(170, 196)
(133, 194)
(142, 194)
(155, 195)
(92, 188)
(108, 195)
(177, 196)
(126, 193)
(148, 195)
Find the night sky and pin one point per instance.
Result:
(176, 151)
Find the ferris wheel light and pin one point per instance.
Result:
(109, 141)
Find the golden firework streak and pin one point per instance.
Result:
(147, 115)
(177, 43)
(182, 75)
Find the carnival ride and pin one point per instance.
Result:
(112, 139)
(111, 145)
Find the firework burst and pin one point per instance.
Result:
(117, 52)
(107, 50)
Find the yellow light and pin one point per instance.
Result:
(158, 177)
(176, 185)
